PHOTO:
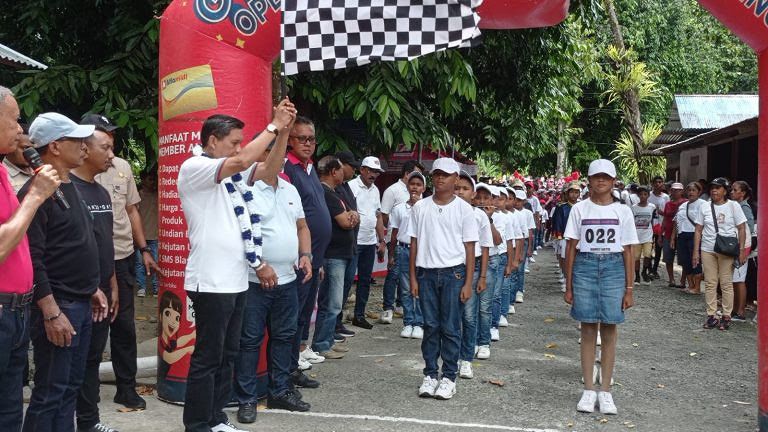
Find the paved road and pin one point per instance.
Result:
(661, 385)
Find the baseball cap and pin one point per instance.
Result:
(417, 174)
(720, 181)
(573, 186)
(488, 188)
(101, 122)
(373, 163)
(466, 175)
(677, 186)
(50, 126)
(520, 194)
(603, 166)
(346, 157)
(501, 190)
(517, 183)
(446, 165)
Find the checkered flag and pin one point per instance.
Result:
(336, 34)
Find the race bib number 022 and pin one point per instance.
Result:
(600, 236)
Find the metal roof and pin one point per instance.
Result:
(17, 59)
(741, 128)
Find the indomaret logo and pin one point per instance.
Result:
(245, 17)
(168, 81)
(760, 8)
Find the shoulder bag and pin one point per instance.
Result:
(725, 245)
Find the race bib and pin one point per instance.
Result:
(600, 236)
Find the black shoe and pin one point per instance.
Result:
(339, 338)
(246, 413)
(302, 381)
(288, 401)
(98, 427)
(712, 322)
(737, 317)
(362, 323)
(130, 399)
(345, 331)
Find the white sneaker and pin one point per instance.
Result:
(477, 348)
(428, 387)
(484, 352)
(512, 309)
(562, 288)
(503, 321)
(386, 317)
(598, 342)
(527, 270)
(226, 427)
(532, 259)
(304, 365)
(605, 400)
(519, 297)
(536, 252)
(407, 332)
(418, 333)
(587, 402)
(141, 292)
(562, 279)
(446, 390)
(465, 369)
(494, 334)
(311, 356)
(399, 310)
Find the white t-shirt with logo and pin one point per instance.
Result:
(684, 212)
(484, 232)
(441, 231)
(660, 202)
(644, 217)
(729, 216)
(601, 228)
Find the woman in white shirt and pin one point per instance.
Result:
(682, 237)
(722, 218)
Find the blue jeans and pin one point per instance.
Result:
(307, 296)
(485, 302)
(439, 291)
(469, 318)
(365, 256)
(141, 273)
(277, 309)
(391, 283)
(59, 371)
(14, 343)
(518, 282)
(329, 303)
(411, 308)
(500, 284)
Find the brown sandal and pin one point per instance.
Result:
(689, 291)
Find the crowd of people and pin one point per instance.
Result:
(275, 236)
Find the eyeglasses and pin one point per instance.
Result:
(302, 139)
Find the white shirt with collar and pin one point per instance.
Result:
(368, 206)
(394, 195)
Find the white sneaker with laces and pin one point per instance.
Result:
(428, 387)
(418, 332)
(484, 352)
(311, 356)
(519, 297)
(511, 310)
(386, 317)
(465, 369)
(587, 402)
(141, 292)
(532, 259)
(226, 427)
(503, 321)
(536, 252)
(304, 365)
(494, 334)
(605, 400)
(446, 390)
(407, 332)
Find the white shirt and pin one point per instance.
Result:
(279, 211)
(368, 206)
(501, 221)
(535, 204)
(484, 232)
(682, 221)
(399, 219)
(729, 216)
(632, 199)
(441, 231)
(660, 202)
(644, 217)
(601, 228)
(529, 221)
(394, 195)
(216, 262)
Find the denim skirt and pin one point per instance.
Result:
(598, 288)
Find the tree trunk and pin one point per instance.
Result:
(562, 150)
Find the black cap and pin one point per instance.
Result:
(720, 181)
(346, 157)
(101, 122)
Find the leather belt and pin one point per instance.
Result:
(15, 300)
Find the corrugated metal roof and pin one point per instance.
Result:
(17, 58)
(715, 111)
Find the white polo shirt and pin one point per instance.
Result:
(279, 209)
(368, 206)
(216, 262)
(394, 195)
(441, 231)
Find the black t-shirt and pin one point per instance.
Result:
(98, 201)
(65, 257)
(342, 240)
(349, 198)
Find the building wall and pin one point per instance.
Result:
(693, 164)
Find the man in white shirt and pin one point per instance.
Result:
(216, 275)
(659, 199)
(370, 237)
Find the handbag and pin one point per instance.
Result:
(725, 245)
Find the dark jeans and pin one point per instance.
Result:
(657, 249)
(218, 319)
(88, 397)
(276, 309)
(349, 278)
(58, 370)
(307, 296)
(329, 303)
(141, 272)
(391, 283)
(365, 256)
(14, 342)
(439, 291)
(123, 330)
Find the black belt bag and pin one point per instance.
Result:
(723, 244)
(15, 301)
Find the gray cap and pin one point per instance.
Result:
(51, 126)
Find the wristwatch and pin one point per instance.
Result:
(145, 249)
(271, 128)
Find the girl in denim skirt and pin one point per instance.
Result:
(599, 273)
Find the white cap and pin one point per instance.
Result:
(502, 190)
(487, 187)
(446, 165)
(49, 127)
(521, 195)
(603, 166)
(373, 163)
(417, 174)
(677, 186)
(466, 175)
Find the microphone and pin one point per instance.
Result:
(33, 159)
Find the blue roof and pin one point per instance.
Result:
(17, 58)
(715, 111)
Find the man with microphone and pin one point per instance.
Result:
(16, 266)
(65, 261)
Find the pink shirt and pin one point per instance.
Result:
(16, 270)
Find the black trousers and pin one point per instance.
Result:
(219, 320)
(123, 331)
(88, 399)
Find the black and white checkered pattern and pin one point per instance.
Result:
(335, 34)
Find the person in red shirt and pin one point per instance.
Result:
(667, 225)
(16, 265)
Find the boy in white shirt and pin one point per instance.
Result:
(644, 213)
(443, 233)
(528, 224)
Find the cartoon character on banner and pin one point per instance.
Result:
(173, 347)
